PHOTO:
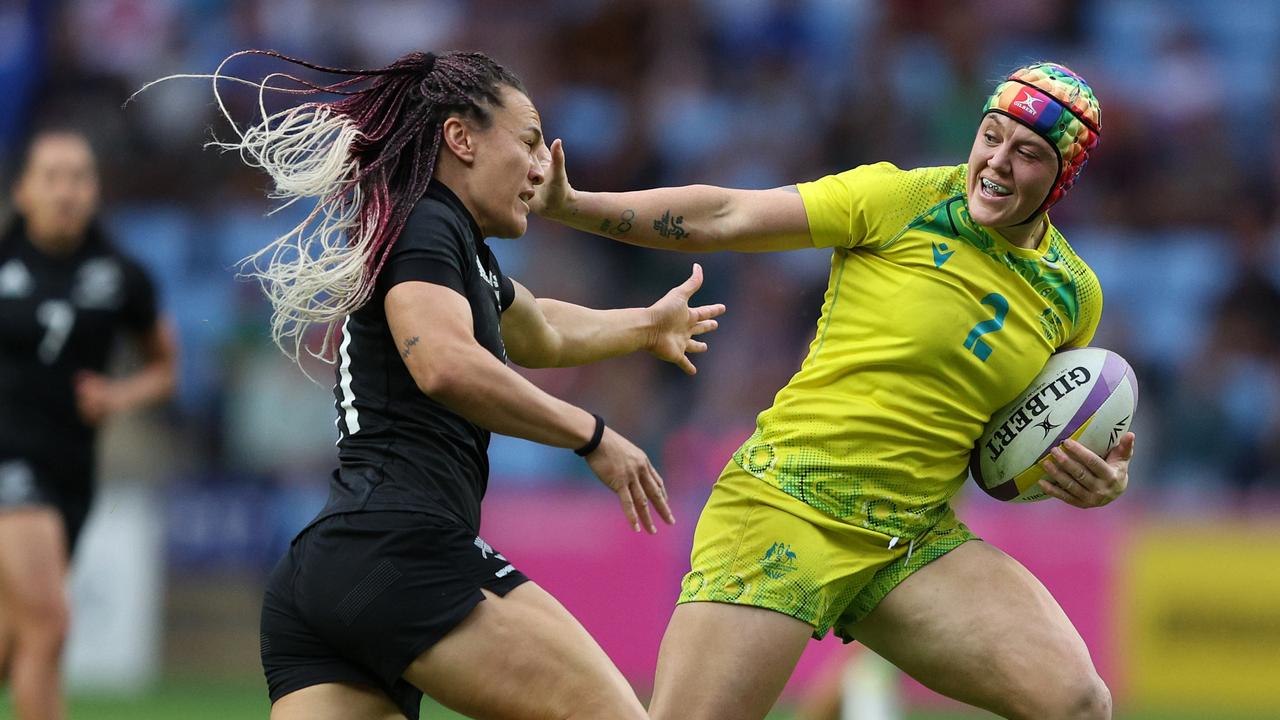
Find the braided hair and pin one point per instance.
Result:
(365, 158)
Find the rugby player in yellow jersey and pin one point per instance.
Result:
(949, 290)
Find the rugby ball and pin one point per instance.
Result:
(1086, 394)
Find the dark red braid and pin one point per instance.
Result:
(399, 111)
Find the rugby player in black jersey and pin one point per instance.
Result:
(65, 296)
(390, 592)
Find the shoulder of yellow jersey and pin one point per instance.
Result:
(871, 204)
(1088, 291)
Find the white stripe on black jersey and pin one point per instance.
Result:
(398, 448)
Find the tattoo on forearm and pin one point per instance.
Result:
(605, 225)
(408, 346)
(668, 226)
(623, 226)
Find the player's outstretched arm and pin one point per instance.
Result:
(432, 328)
(541, 332)
(694, 218)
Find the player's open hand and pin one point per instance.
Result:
(626, 470)
(675, 324)
(553, 197)
(1079, 477)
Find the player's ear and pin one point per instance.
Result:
(459, 138)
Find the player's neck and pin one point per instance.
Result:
(54, 245)
(1026, 235)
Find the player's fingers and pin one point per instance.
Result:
(642, 505)
(705, 326)
(1092, 472)
(1081, 482)
(629, 506)
(690, 286)
(686, 365)
(1065, 482)
(557, 155)
(706, 312)
(695, 346)
(1123, 451)
(1053, 490)
(1086, 457)
(657, 492)
(1069, 465)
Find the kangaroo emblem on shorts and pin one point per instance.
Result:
(778, 560)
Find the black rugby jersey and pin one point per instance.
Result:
(58, 316)
(398, 448)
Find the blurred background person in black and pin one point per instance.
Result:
(65, 295)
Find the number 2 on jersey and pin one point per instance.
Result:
(973, 341)
(57, 317)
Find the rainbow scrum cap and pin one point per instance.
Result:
(1060, 107)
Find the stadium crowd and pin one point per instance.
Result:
(1178, 217)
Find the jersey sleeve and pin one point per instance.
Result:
(138, 312)
(506, 292)
(844, 209)
(1089, 297)
(429, 249)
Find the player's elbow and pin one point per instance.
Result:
(733, 225)
(437, 378)
(534, 345)
(161, 361)
(168, 383)
(722, 225)
(532, 358)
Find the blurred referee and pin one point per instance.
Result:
(65, 296)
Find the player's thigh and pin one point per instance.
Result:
(335, 701)
(977, 626)
(33, 564)
(523, 656)
(725, 662)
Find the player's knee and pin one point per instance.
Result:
(42, 624)
(1085, 697)
(1088, 700)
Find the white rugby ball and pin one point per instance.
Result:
(1086, 394)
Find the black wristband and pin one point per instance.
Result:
(596, 436)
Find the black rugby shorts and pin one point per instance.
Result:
(359, 596)
(65, 486)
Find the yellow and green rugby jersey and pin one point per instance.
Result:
(930, 324)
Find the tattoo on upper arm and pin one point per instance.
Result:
(668, 226)
(408, 346)
(624, 223)
(792, 189)
(605, 225)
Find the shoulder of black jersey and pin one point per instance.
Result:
(444, 199)
(432, 224)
